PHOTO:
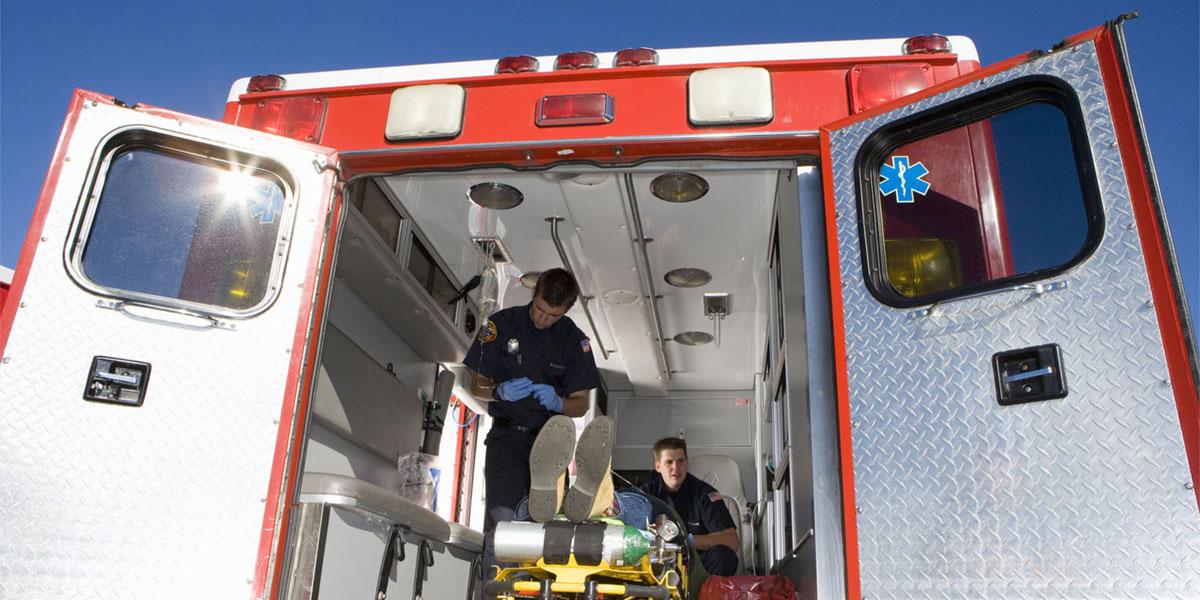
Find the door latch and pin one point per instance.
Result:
(1029, 374)
(117, 380)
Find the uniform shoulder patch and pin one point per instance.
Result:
(487, 332)
(586, 345)
(715, 497)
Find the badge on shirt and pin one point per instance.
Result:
(487, 333)
(587, 347)
(514, 346)
(714, 497)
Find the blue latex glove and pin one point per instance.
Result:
(546, 395)
(514, 389)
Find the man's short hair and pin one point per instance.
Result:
(557, 287)
(669, 443)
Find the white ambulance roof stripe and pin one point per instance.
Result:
(963, 46)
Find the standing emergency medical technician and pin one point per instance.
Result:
(710, 528)
(529, 363)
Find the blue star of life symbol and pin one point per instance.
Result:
(266, 207)
(903, 179)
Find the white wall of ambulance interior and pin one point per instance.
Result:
(688, 198)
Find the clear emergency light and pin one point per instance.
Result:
(426, 111)
(730, 96)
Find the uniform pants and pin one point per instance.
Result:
(719, 560)
(506, 483)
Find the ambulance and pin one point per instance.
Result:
(918, 319)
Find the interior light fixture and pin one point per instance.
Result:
(679, 187)
(495, 195)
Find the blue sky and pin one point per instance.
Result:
(185, 55)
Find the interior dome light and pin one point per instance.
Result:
(679, 187)
(495, 195)
(530, 279)
(687, 277)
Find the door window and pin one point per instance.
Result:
(959, 204)
(176, 227)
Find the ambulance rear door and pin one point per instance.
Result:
(1017, 376)
(154, 350)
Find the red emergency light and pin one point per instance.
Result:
(571, 61)
(872, 85)
(520, 63)
(299, 117)
(574, 109)
(635, 57)
(266, 83)
(927, 44)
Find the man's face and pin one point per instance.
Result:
(545, 314)
(672, 465)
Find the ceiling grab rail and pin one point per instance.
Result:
(583, 300)
(647, 278)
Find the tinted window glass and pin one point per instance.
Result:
(380, 213)
(998, 198)
(182, 227)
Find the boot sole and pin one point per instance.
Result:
(592, 461)
(551, 453)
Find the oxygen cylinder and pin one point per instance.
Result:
(521, 542)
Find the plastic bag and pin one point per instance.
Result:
(748, 587)
(419, 474)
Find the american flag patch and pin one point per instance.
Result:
(714, 497)
(587, 346)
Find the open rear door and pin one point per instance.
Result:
(1017, 376)
(154, 346)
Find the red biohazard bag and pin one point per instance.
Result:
(748, 587)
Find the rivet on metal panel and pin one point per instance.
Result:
(528, 155)
(858, 509)
(854, 424)
(67, 159)
(44, 238)
(1149, 304)
(1188, 485)
(22, 305)
(94, 103)
(1165, 383)
(1130, 226)
(618, 150)
(287, 350)
(6, 360)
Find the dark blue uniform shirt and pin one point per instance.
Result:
(509, 346)
(698, 504)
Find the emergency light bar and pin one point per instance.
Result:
(635, 57)
(927, 44)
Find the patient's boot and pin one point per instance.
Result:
(548, 462)
(592, 492)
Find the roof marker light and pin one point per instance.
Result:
(297, 117)
(572, 61)
(266, 83)
(927, 44)
(635, 57)
(521, 63)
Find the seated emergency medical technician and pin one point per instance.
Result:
(709, 525)
(529, 363)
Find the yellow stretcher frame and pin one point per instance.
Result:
(573, 578)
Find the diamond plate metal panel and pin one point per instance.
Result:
(957, 497)
(161, 501)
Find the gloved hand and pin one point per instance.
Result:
(548, 397)
(514, 389)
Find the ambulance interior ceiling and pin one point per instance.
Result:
(726, 232)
